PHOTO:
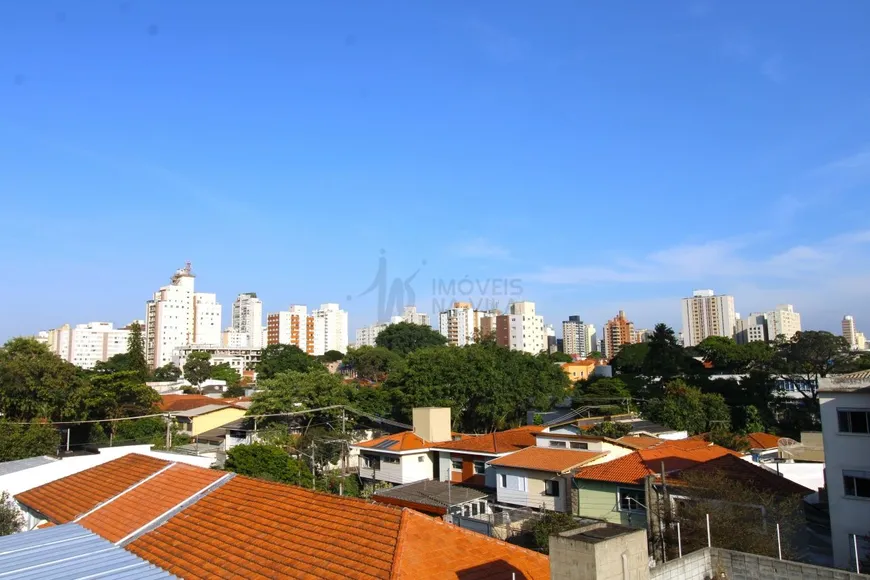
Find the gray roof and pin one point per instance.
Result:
(208, 408)
(8, 467)
(70, 551)
(434, 493)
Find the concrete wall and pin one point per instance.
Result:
(709, 563)
(599, 500)
(576, 556)
(215, 419)
(416, 467)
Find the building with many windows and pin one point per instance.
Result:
(87, 344)
(292, 326)
(248, 318)
(618, 331)
(706, 314)
(457, 324)
(784, 321)
(845, 411)
(178, 316)
(850, 332)
(367, 335)
(577, 337)
(330, 329)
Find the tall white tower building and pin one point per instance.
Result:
(178, 316)
(330, 329)
(783, 321)
(457, 324)
(850, 333)
(248, 318)
(706, 314)
(526, 328)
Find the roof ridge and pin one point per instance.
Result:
(169, 465)
(400, 544)
(281, 484)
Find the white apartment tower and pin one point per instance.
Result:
(457, 324)
(706, 314)
(576, 337)
(526, 328)
(177, 316)
(410, 314)
(751, 329)
(850, 333)
(87, 344)
(367, 335)
(330, 329)
(783, 321)
(292, 326)
(248, 318)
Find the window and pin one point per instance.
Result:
(552, 488)
(853, 420)
(856, 483)
(420, 459)
(558, 444)
(372, 461)
(479, 467)
(502, 480)
(456, 464)
(631, 500)
(579, 445)
(514, 482)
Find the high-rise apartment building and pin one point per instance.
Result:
(457, 324)
(292, 326)
(234, 339)
(550, 338)
(784, 321)
(87, 344)
(248, 318)
(178, 316)
(574, 337)
(521, 329)
(367, 335)
(641, 335)
(850, 332)
(330, 329)
(410, 314)
(751, 329)
(706, 314)
(618, 331)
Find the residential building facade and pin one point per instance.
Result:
(577, 337)
(235, 339)
(87, 344)
(241, 359)
(706, 314)
(751, 329)
(367, 335)
(292, 326)
(526, 328)
(248, 318)
(618, 332)
(330, 329)
(845, 412)
(850, 332)
(178, 316)
(457, 324)
(783, 321)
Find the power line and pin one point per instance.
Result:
(65, 423)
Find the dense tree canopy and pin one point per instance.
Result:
(136, 352)
(296, 391)
(11, 518)
(488, 387)
(630, 358)
(168, 372)
(28, 440)
(120, 395)
(224, 372)
(404, 337)
(268, 462)
(372, 363)
(197, 367)
(332, 356)
(686, 408)
(280, 358)
(665, 358)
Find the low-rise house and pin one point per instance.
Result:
(197, 414)
(201, 523)
(539, 477)
(579, 370)
(436, 498)
(614, 491)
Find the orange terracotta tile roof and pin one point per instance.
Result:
(546, 459)
(188, 402)
(430, 549)
(496, 442)
(760, 440)
(404, 441)
(65, 499)
(633, 468)
(150, 500)
(639, 441)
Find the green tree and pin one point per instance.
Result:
(224, 372)
(557, 357)
(114, 364)
(29, 440)
(296, 391)
(686, 408)
(611, 392)
(595, 354)
(334, 482)
(630, 358)
(280, 358)
(332, 356)
(404, 338)
(609, 429)
(665, 358)
(234, 391)
(722, 352)
(372, 363)
(11, 518)
(268, 462)
(810, 355)
(120, 395)
(751, 421)
(34, 383)
(197, 368)
(168, 372)
(136, 352)
(548, 524)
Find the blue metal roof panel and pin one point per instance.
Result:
(69, 551)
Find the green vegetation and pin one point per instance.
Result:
(11, 519)
(545, 526)
(268, 462)
(404, 338)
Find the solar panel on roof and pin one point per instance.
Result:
(385, 444)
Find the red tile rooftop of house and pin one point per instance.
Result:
(633, 468)
(497, 442)
(738, 469)
(546, 459)
(188, 402)
(760, 440)
(404, 441)
(241, 527)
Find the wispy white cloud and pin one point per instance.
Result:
(480, 248)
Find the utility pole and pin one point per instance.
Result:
(343, 445)
(313, 473)
(168, 419)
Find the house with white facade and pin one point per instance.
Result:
(845, 411)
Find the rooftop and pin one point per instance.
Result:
(751, 475)
(639, 441)
(404, 441)
(546, 459)
(437, 494)
(759, 440)
(633, 468)
(176, 403)
(849, 383)
(17, 465)
(70, 551)
(496, 442)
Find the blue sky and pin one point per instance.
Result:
(600, 155)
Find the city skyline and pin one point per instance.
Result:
(728, 140)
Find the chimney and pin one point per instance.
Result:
(432, 423)
(600, 550)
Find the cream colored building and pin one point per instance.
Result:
(330, 329)
(850, 333)
(707, 314)
(87, 344)
(783, 320)
(248, 318)
(457, 324)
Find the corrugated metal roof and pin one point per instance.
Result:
(70, 551)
